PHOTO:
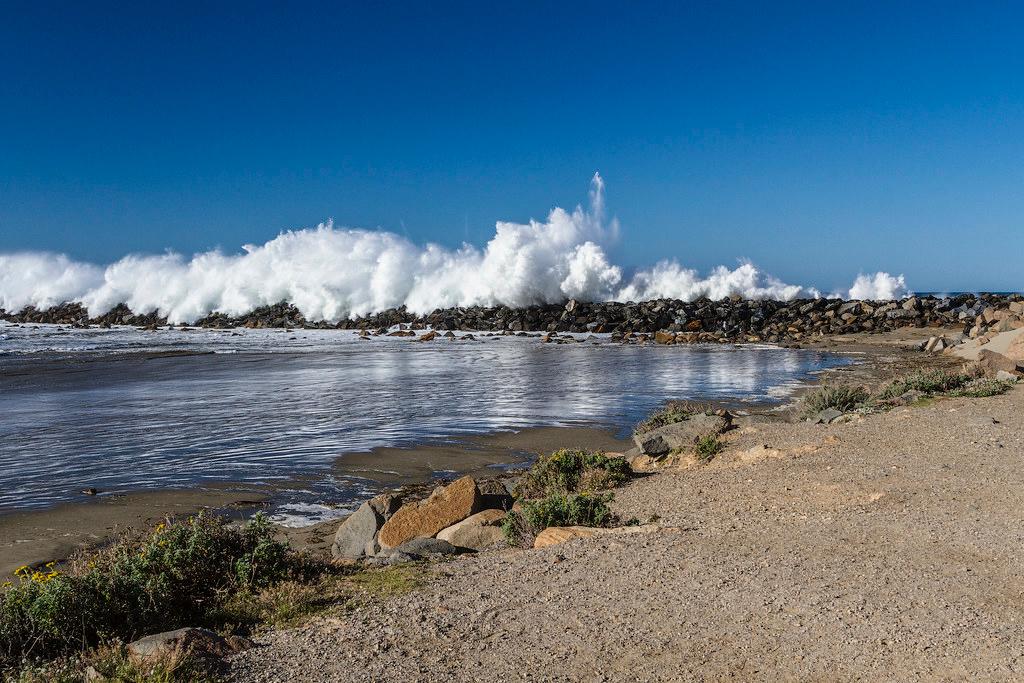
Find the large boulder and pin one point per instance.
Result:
(993, 363)
(356, 537)
(425, 518)
(476, 532)
(680, 436)
(1015, 349)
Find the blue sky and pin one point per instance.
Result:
(817, 139)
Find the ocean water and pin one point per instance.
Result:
(124, 410)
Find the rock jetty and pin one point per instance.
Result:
(669, 320)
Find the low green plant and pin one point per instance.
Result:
(931, 382)
(708, 446)
(675, 411)
(983, 388)
(579, 509)
(178, 574)
(292, 602)
(571, 471)
(843, 398)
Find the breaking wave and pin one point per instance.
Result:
(331, 273)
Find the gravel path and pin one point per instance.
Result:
(885, 549)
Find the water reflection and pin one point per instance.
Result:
(75, 418)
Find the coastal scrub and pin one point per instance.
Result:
(177, 574)
(571, 471)
(675, 411)
(580, 509)
(843, 398)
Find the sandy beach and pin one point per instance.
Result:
(883, 548)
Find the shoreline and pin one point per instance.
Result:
(874, 546)
(36, 536)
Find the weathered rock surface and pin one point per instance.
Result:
(199, 642)
(356, 536)
(476, 532)
(827, 416)
(425, 518)
(555, 535)
(993, 363)
(683, 435)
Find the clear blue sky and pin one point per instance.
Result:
(815, 138)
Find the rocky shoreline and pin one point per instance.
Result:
(700, 321)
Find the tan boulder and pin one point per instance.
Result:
(1015, 350)
(425, 518)
(642, 463)
(477, 531)
(992, 363)
(664, 338)
(555, 535)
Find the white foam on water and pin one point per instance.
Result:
(331, 272)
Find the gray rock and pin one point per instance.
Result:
(390, 558)
(357, 533)
(827, 416)
(386, 504)
(199, 642)
(681, 435)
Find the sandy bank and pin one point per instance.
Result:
(884, 548)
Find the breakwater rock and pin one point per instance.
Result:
(703, 320)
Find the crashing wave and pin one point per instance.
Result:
(331, 273)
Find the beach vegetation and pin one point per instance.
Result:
(572, 471)
(707, 447)
(580, 509)
(673, 412)
(934, 383)
(198, 571)
(983, 388)
(843, 398)
(929, 382)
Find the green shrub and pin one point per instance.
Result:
(579, 509)
(177, 575)
(843, 398)
(708, 446)
(931, 382)
(675, 411)
(982, 388)
(572, 471)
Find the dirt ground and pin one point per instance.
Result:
(886, 549)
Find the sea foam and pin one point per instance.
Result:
(330, 273)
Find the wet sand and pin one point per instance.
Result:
(37, 536)
(479, 456)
